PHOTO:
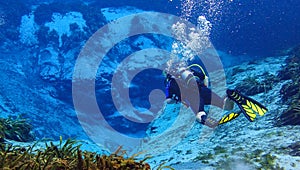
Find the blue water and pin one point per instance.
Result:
(241, 28)
(258, 27)
(250, 27)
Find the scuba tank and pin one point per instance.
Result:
(188, 74)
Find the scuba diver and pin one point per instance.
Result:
(189, 85)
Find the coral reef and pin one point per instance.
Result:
(65, 155)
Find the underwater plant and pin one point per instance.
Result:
(17, 129)
(262, 160)
(65, 155)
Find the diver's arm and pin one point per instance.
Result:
(172, 92)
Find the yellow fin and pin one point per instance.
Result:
(261, 111)
(228, 117)
(245, 107)
(257, 108)
(248, 103)
(251, 115)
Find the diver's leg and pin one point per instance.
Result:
(211, 98)
(196, 104)
(201, 115)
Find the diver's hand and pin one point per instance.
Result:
(170, 101)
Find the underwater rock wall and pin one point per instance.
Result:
(290, 91)
(37, 64)
(40, 45)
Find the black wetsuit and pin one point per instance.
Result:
(196, 95)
